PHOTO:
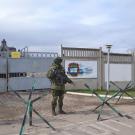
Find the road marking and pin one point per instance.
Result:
(79, 123)
(65, 133)
(100, 130)
(123, 124)
(105, 125)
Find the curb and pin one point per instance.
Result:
(92, 95)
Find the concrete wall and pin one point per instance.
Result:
(87, 54)
(79, 83)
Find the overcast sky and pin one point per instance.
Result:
(43, 25)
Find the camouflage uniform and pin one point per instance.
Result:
(58, 79)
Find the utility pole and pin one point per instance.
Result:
(108, 65)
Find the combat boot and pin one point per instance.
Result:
(61, 110)
(53, 110)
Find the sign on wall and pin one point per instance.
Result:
(81, 69)
(15, 54)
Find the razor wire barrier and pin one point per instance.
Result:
(121, 92)
(105, 101)
(30, 109)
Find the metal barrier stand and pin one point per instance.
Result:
(30, 109)
(104, 101)
(123, 91)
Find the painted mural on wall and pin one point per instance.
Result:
(81, 69)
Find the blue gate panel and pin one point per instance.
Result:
(3, 65)
(3, 85)
(16, 74)
(29, 64)
(26, 83)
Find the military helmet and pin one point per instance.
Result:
(58, 60)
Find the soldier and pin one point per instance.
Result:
(58, 78)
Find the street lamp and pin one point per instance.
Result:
(108, 65)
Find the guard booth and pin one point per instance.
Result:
(20, 73)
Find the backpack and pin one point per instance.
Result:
(51, 74)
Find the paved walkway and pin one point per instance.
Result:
(80, 120)
(77, 125)
(80, 123)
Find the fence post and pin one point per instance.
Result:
(30, 114)
(7, 72)
(133, 67)
(100, 71)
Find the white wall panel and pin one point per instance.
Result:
(119, 72)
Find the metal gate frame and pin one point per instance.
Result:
(18, 73)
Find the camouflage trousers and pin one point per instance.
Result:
(58, 96)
